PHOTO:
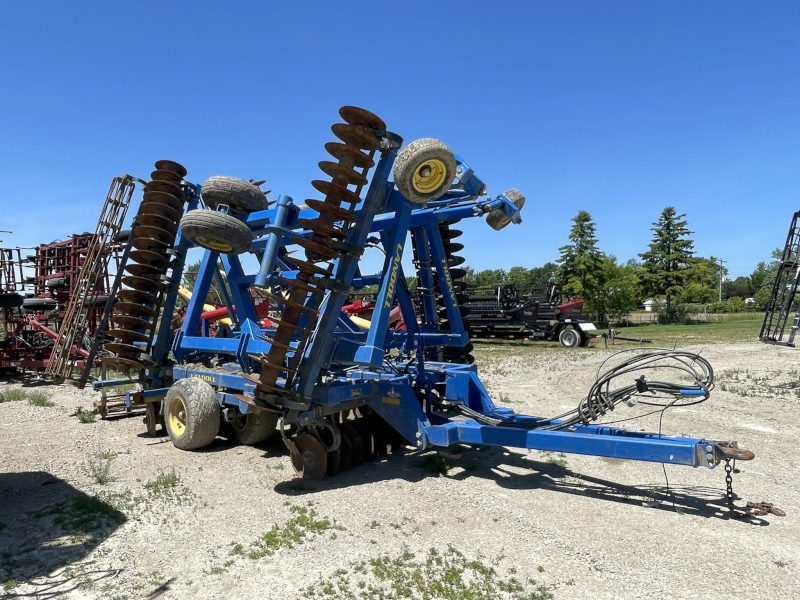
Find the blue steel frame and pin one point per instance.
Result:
(354, 360)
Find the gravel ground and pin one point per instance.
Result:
(229, 521)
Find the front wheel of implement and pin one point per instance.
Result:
(216, 231)
(255, 426)
(192, 414)
(424, 170)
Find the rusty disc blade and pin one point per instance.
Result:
(340, 171)
(143, 284)
(349, 155)
(356, 443)
(150, 244)
(299, 284)
(450, 233)
(121, 348)
(134, 309)
(149, 257)
(171, 165)
(167, 187)
(162, 210)
(164, 175)
(129, 322)
(366, 439)
(336, 193)
(321, 207)
(312, 460)
(127, 335)
(137, 297)
(334, 458)
(457, 273)
(455, 247)
(158, 220)
(125, 363)
(353, 135)
(325, 252)
(143, 270)
(359, 116)
(154, 233)
(306, 267)
(162, 198)
(321, 228)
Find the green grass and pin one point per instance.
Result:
(304, 523)
(14, 395)
(735, 328)
(433, 463)
(98, 467)
(85, 416)
(40, 399)
(83, 515)
(445, 575)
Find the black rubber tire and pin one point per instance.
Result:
(255, 427)
(97, 301)
(569, 337)
(497, 219)
(236, 193)
(123, 236)
(201, 418)
(11, 300)
(216, 231)
(56, 282)
(414, 157)
(39, 304)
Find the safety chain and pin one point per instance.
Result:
(754, 509)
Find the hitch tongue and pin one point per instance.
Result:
(731, 451)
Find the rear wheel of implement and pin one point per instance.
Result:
(424, 170)
(311, 462)
(236, 193)
(216, 231)
(356, 443)
(255, 426)
(569, 338)
(497, 219)
(192, 414)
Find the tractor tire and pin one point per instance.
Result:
(192, 416)
(11, 300)
(239, 194)
(255, 427)
(498, 219)
(216, 231)
(97, 301)
(569, 337)
(39, 304)
(424, 170)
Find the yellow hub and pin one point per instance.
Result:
(212, 244)
(429, 176)
(176, 415)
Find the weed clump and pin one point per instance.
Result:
(39, 399)
(85, 416)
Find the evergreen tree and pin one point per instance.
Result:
(666, 267)
(580, 266)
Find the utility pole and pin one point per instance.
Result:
(720, 261)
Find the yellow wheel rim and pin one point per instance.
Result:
(176, 415)
(213, 244)
(429, 176)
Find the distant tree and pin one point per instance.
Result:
(702, 281)
(541, 277)
(666, 265)
(580, 266)
(739, 288)
(490, 278)
(620, 290)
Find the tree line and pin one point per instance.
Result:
(668, 272)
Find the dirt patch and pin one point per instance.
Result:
(101, 510)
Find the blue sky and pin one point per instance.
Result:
(617, 108)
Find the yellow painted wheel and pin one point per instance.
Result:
(212, 244)
(424, 170)
(429, 176)
(177, 415)
(192, 416)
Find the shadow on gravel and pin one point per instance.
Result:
(519, 472)
(47, 527)
(25, 379)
